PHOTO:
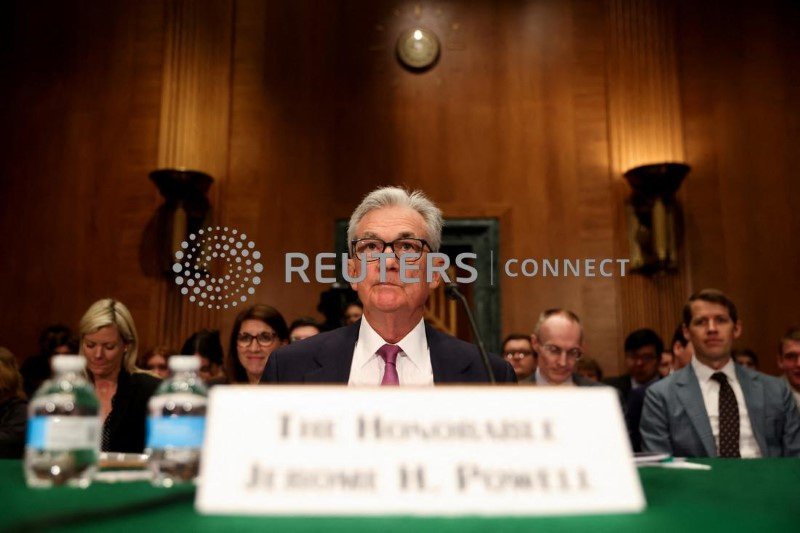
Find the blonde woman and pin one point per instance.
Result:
(109, 341)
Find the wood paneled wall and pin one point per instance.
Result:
(298, 108)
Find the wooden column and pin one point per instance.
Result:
(194, 129)
(645, 126)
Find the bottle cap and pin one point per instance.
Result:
(183, 363)
(67, 363)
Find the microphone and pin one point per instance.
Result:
(452, 292)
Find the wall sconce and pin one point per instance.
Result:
(652, 213)
(185, 210)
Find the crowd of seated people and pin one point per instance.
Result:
(552, 355)
(701, 401)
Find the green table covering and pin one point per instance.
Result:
(736, 495)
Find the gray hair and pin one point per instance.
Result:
(396, 196)
(566, 313)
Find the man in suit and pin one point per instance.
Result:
(643, 349)
(643, 352)
(558, 339)
(713, 407)
(789, 361)
(391, 344)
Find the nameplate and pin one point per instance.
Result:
(503, 451)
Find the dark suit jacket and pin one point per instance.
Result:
(327, 357)
(581, 381)
(623, 384)
(675, 421)
(127, 420)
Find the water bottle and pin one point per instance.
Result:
(176, 423)
(64, 428)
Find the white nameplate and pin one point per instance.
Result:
(306, 450)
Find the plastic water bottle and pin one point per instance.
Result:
(64, 428)
(176, 423)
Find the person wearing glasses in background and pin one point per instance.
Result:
(391, 344)
(257, 332)
(558, 341)
(518, 351)
(643, 350)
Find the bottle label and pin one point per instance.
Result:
(175, 431)
(61, 433)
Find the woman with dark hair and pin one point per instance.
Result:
(257, 332)
(206, 344)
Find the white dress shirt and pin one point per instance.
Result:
(413, 362)
(748, 447)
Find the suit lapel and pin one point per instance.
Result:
(335, 357)
(446, 366)
(753, 390)
(688, 392)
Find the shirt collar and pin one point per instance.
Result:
(414, 345)
(704, 372)
(541, 380)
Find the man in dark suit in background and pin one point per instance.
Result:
(391, 344)
(643, 350)
(713, 407)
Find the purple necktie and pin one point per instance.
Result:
(389, 354)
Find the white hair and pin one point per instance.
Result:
(397, 196)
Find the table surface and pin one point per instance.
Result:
(736, 494)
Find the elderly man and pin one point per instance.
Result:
(713, 407)
(789, 361)
(391, 344)
(558, 339)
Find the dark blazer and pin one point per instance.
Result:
(581, 381)
(675, 421)
(13, 421)
(128, 418)
(622, 383)
(327, 357)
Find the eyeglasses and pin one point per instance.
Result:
(573, 354)
(408, 249)
(517, 354)
(264, 338)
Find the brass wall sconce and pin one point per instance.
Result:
(186, 209)
(653, 216)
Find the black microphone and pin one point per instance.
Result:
(452, 292)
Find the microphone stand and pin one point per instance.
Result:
(452, 292)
